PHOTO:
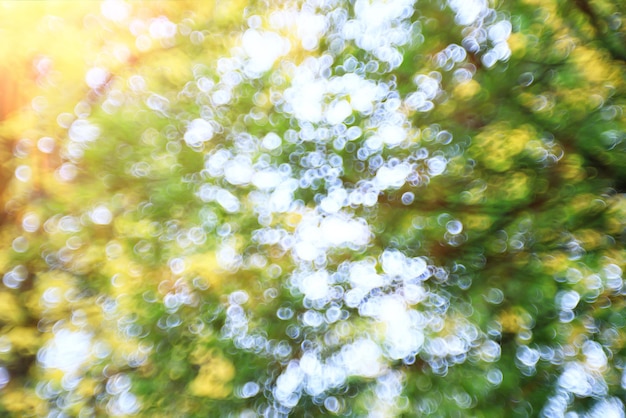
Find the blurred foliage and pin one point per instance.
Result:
(311, 208)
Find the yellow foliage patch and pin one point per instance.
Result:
(594, 66)
(514, 320)
(467, 90)
(477, 222)
(87, 387)
(216, 373)
(24, 340)
(206, 266)
(517, 186)
(517, 44)
(498, 144)
(571, 167)
(49, 294)
(292, 219)
(125, 227)
(11, 312)
(89, 259)
(23, 403)
(555, 263)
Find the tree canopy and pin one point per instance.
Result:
(313, 208)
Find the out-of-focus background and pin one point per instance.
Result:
(312, 208)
